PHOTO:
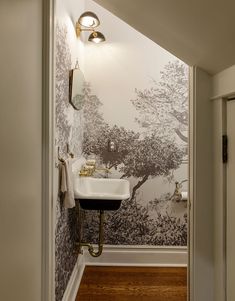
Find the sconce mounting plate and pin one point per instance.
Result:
(78, 29)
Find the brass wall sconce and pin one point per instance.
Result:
(88, 21)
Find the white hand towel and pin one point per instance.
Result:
(67, 184)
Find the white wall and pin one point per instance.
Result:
(224, 82)
(115, 68)
(201, 246)
(20, 136)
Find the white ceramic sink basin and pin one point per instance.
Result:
(100, 194)
(105, 189)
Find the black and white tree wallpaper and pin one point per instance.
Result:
(152, 154)
(156, 151)
(68, 123)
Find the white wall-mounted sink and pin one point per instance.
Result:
(100, 193)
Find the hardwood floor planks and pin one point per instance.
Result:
(133, 283)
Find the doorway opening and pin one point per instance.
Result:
(153, 224)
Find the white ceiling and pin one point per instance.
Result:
(199, 32)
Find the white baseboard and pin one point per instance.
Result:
(139, 256)
(75, 280)
(126, 256)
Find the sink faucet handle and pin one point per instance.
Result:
(87, 170)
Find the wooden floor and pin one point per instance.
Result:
(133, 283)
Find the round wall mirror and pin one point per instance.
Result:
(76, 88)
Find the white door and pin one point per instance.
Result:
(231, 201)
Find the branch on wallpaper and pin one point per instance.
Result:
(167, 98)
(181, 136)
(182, 117)
(138, 185)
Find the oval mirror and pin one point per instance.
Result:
(76, 88)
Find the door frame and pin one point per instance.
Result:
(48, 208)
(220, 197)
(219, 103)
(227, 184)
(190, 183)
(201, 218)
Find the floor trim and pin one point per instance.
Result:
(75, 280)
(139, 256)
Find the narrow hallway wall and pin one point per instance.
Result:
(68, 130)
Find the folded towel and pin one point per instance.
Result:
(67, 183)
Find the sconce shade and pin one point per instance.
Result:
(89, 19)
(96, 37)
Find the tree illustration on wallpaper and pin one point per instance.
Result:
(132, 225)
(154, 152)
(150, 157)
(139, 157)
(163, 109)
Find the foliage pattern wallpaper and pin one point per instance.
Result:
(68, 130)
(156, 151)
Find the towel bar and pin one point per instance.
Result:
(60, 159)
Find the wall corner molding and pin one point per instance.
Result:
(75, 280)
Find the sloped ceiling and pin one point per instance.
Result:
(199, 32)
